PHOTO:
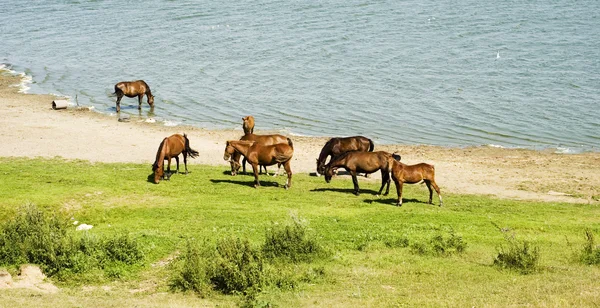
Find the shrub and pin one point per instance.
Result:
(191, 275)
(34, 237)
(291, 242)
(439, 245)
(237, 267)
(519, 256)
(591, 252)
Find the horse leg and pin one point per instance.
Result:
(119, 97)
(140, 100)
(265, 168)
(184, 162)
(278, 169)
(355, 181)
(177, 161)
(437, 190)
(288, 170)
(244, 165)
(169, 168)
(255, 169)
(399, 191)
(385, 179)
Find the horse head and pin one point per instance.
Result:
(151, 100)
(229, 150)
(328, 172)
(158, 172)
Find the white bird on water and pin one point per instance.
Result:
(498, 55)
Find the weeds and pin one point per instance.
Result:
(521, 256)
(291, 242)
(438, 245)
(34, 237)
(591, 252)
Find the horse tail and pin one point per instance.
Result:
(192, 153)
(371, 145)
(290, 143)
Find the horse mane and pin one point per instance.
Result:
(371, 145)
(159, 155)
(290, 143)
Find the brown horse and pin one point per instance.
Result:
(262, 139)
(137, 88)
(411, 174)
(259, 154)
(337, 146)
(169, 148)
(248, 125)
(359, 161)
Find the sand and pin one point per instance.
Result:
(31, 128)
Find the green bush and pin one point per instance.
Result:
(191, 274)
(237, 267)
(34, 237)
(291, 242)
(439, 245)
(591, 252)
(520, 256)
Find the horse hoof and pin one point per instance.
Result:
(286, 187)
(356, 193)
(398, 204)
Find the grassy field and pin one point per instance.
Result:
(378, 254)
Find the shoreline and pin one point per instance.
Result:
(33, 129)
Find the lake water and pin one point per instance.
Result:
(515, 73)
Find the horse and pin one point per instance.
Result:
(262, 139)
(412, 174)
(169, 148)
(337, 146)
(248, 125)
(137, 88)
(363, 162)
(259, 154)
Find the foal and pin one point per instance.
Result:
(412, 174)
(363, 162)
(259, 154)
(169, 148)
(137, 88)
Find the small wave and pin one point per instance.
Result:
(26, 80)
(563, 150)
(170, 123)
(495, 146)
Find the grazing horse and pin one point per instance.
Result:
(338, 146)
(248, 125)
(259, 154)
(262, 139)
(137, 88)
(359, 161)
(411, 174)
(169, 148)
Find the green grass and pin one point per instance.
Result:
(371, 260)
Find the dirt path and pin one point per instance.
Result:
(32, 129)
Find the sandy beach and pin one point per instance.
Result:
(33, 129)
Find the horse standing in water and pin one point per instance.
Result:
(259, 154)
(358, 161)
(261, 139)
(337, 146)
(412, 174)
(169, 148)
(137, 88)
